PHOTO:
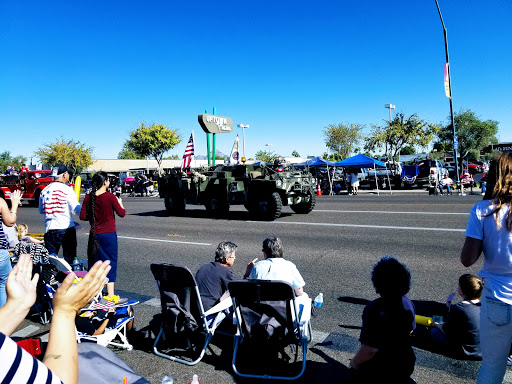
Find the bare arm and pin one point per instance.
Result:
(249, 268)
(9, 216)
(364, 354)
(299, 291)
(471, 251)
(61, 355)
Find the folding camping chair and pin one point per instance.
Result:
(267, 321)
(118, 329)
(186, 330)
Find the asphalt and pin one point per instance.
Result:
(334, 248)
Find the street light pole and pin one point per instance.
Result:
(390, 107)
(450, 92)
(243, 134)
(268, 145)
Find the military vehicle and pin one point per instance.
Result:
(262, 189)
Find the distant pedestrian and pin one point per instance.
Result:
(99, 207)
(58, 203)
(354, 182)
(489, 231)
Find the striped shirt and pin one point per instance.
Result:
(18, 366)
(4, 243)
(57, 202)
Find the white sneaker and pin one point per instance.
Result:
(483, 193)
(463, 194)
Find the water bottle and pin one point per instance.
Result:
(319, 300)
(195, 380)
(76, 265)
(167, 380)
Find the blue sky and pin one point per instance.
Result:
(93, 70)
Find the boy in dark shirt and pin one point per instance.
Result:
(459, 336)
(386, 354)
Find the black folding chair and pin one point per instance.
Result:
(185, 331)
(266, 319)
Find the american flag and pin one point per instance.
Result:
(189, 152)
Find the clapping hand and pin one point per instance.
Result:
(70, 297)
(21, 286)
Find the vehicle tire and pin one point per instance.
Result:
(304, 208)
(175, 203)
(270, 207)
(217, 204)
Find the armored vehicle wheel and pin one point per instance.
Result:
(217, 205)
(174, 203)
(270, 207)
(307, 207)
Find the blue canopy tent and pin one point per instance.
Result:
(320, 162)
(363, 161)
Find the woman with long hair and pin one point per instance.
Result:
(98, 208)
(489, 231)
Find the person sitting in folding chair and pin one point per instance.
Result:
(275, 267)
(212, 278)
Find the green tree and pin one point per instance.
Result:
(172, 157)
(153, 140)
(408, 150)
(266, 156)
(474, 134)
(331, 157)
(400, 132)
(295, 154)
(128, 154)
(6, 159)
(342, 138)
(72, 154)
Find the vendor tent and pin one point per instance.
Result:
(363, 161)
(319, 162)
(360, 161)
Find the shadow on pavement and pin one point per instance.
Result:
(203, 214)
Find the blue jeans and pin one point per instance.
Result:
(5, 268)
(54, 238)
(483, 184)
(445, 186)
(495, 338)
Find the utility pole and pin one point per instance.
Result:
(448, 90)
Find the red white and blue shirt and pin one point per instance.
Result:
(57, 202)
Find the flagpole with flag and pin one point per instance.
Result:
(234, 158)
(189, 152)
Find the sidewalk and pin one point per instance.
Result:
(413, 191)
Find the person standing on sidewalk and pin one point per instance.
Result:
(489, 231)
(7, 217)
(99, 207)
(57, 203)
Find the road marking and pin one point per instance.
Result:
(417, 213)
(361, 226)
(160, 240)
(24, 332)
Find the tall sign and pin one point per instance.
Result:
(215, 124)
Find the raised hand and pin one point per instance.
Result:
(21, 286)
(70, 297)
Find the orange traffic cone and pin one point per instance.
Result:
(318, 190)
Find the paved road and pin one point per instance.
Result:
(334, 247)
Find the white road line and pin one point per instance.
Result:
(360, 226)
(416, 213)
(24, 332)
(160, 240)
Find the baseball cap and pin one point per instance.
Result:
(59, 169)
